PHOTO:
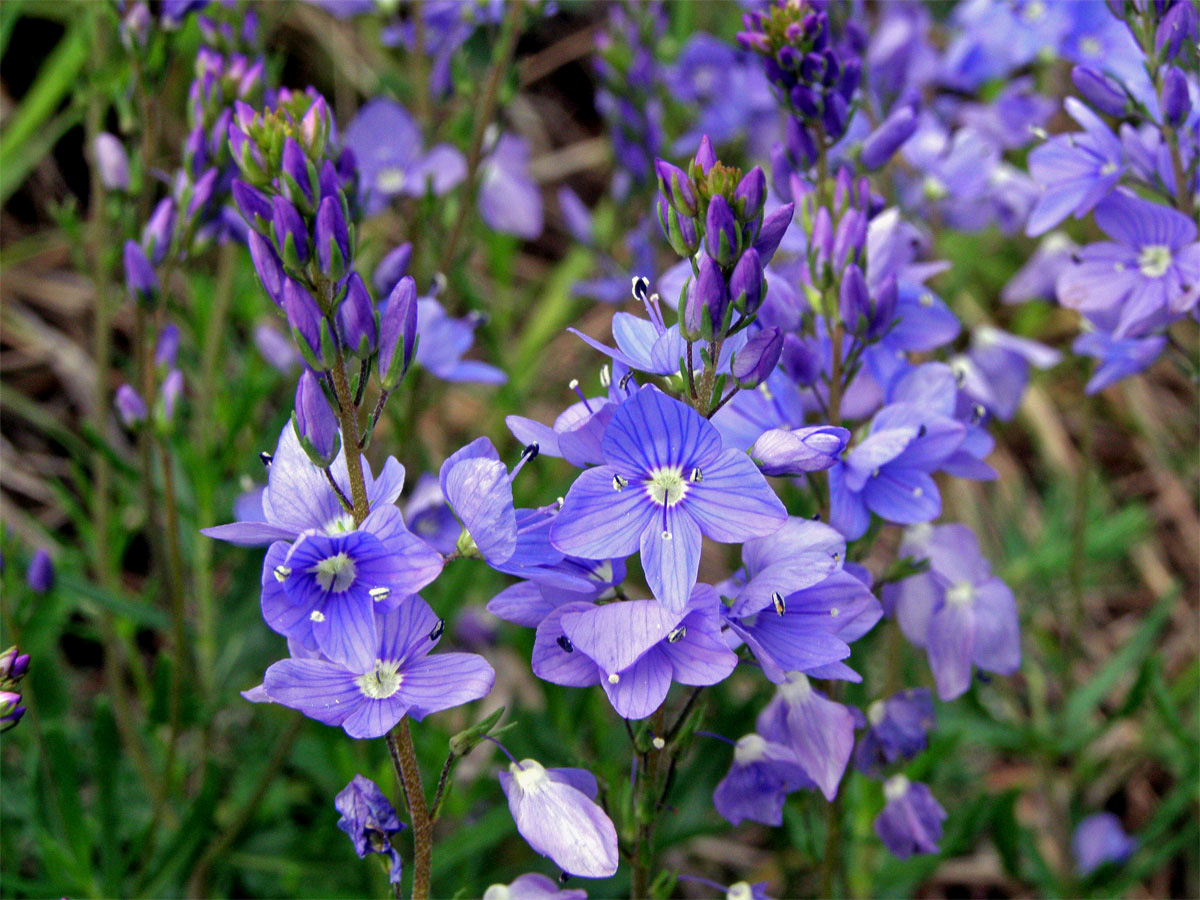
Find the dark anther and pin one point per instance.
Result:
(531, 450)
(437, 630)
(265, 458)
(641, 288)
(777, 599)
(565, 642)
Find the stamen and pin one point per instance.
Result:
(530, 452)
(565, 642)
(641, 288)
(282, 573)
(658, 743)
(380, 593)
(316, 616)
(780, 605)
(677, 635)
(265, 458)
(696, 475)
(837, 557)
(437, 630)
(625, 380)
(614, 678)
(922, 431)
(619, 483)
(573, 384)
(605, 376)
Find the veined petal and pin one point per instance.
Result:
(616, 634)
(320, 689)
(670, 548)
(598, 521)
(733, 501)
(651, 431)
(480, 493)
(642, 688)
(434, 683)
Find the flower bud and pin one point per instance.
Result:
(800, 363)
(201, 194)
(820, 241)
(248, 157)
(112, 162)
(773, 228)
(758, 358)
(131, 408)
(887, 295)
(332, 238)
(750, 195)
(307, 324)
(139, 274)
(786, 452)
(13, 664)
(835, 116)
(801, 150)
(159, 230)
(1176, 104)
(314, 422)
(397, 333)
(40, 575)
(10, 709)
(706, 157)
(168, 397)
(253, 205)
(854, 299)
(268, 267)
(680, 230)
(291, 237)
(1179, 24)
(710, 305)
(721, 232)
(746, 284)
(1099, 90)
(167, 346)
(356, 319)
(850, 239)
(298, 175)
(314, 127)
(676, 187)
(882, 143)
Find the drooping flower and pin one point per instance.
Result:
(763, 773)
(444, 342)
(556, 813)
(1119, 357)
(532, 887)
(1099, 839)
(911, 821)
(370, 820)
(509, 200)
(958, 611)
(897, 729)
(380, 684)
(634, 649)
(666, 481)
(819, 731)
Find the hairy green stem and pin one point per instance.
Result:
(404, 758)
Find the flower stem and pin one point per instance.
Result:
(348, 413)
(404, 758)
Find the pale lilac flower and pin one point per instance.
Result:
(532, 887)
(509, 199)
(911, 821)
(556, 813)
(897, 730)
(763, 773)
(1119, 357)
(1100, 839)
(819, 731)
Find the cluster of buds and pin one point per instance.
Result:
(837, 256)
(133, 409)
(814, 78)
(628, 71)
(13, 666)
(297, 195)
(712, 215)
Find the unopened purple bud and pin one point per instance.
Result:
(787, 452)
(276, 349)
(802, 151)
(882, 143)
(883, 310)
(195, 151)
(1176, 104)
(773, 228)
(851, 75)
(131, 408)
(159, 230)
(1178, 25)
(758, 358)
(329, 182)
(397, 333)
(706, 156)
(804, 101)
(291, 237)
(850, 238)
(1099, 90)
(202, 193)
(246, 154)
(821, 239)
(253, 205)
(7, 658)
(721, 232)
(253, 76)
(854, 299)
(391, 269)
(799, 362)
(112, 162)
(314, 422)
(711, 302)
(750, 195)
(297, 174)
(746, 284)
(356, 319)
(40, 576)
(245, 114)
(314, 127)
(10, 709)
(835, 116)
(167, 347)
(676, 187)
(139, 274)
(268, 267)
(679, 229)
(305, 320)
(168, 397)
(332, 238)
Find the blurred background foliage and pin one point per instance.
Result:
(1093, 523)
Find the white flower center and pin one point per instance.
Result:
(934, 188)
(739, 891)
(334, 573)
(961, 594)
(750, 748)
(875, 712)
(342, 524)
(667, 486)
(1154, 260)
(1108, 168)
(1090, 46)
(496, 892)
(390, 181)
(895, 787)
(529, 774)
(382, 681)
